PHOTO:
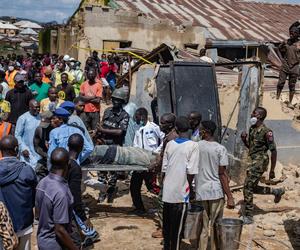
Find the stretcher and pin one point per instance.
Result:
(113, 167)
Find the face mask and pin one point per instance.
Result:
(253, 121)
(10, 68)
(77, 67)
(1, 97)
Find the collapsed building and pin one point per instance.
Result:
(236, 34)
(235, 28)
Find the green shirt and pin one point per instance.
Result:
(261, 139)
(41, 90)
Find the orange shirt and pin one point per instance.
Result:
(46, 79)
(91, 90)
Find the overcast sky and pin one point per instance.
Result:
(53, 10)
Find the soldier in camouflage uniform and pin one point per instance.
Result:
(260, 140)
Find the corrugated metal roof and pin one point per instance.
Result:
(223, 19)
(28, 31)
(8, 26)
(28, 24)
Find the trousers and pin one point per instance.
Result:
(136, 183)
(160, 206)
(174, 215)
(24, 242)
(213, 211)
(292, 80)
(254, 173)
(90, 119)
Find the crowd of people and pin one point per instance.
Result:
(51, 127)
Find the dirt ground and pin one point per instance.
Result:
(277, 226)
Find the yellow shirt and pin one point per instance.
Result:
(58, 77)
(4, 107)
(10, 78)
(45, 103)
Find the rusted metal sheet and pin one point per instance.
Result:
(223, 19)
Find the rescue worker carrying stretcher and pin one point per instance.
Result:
(112, 131)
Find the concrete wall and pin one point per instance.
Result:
(145, 33)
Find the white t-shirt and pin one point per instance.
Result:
(181, 158)
(5, 89)
(149, 137)
(207, 181)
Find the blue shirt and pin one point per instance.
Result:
(25, 129)
(76, 120)
(59, 138)
(54, 202)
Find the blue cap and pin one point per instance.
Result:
(67, 105)
(61, 112)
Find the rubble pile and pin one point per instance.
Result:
(282, 221)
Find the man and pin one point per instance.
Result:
(148, 137)
(3, 83)
(41, 143)
(25, 129)
(112, 74)
(167, 126)
(122, 155)
(180, 164)
(211, 183)
(131, 108)
(17, 183)
(75, 120)
(97, 60)
(61, 68)
(75, 145)
(5, 109)
(112, 130)
(90, 64)
(27, 62)
(115, 120)
(19, 99)
(54, 205)
(78, 74)
(91, 94)
(52, 102)
(60, 135)
(259, 141)
(37, 67)
(47, 77)
(103, 74)
(289, 53)
(65, 90)
(195, 119)
(11, 74)
(39, 89)
(79, 106)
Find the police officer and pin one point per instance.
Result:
(259, 141)
(113, 127)
(59, 136)
(112, 131)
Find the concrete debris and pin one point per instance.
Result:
(269, 233)
(269, 227)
